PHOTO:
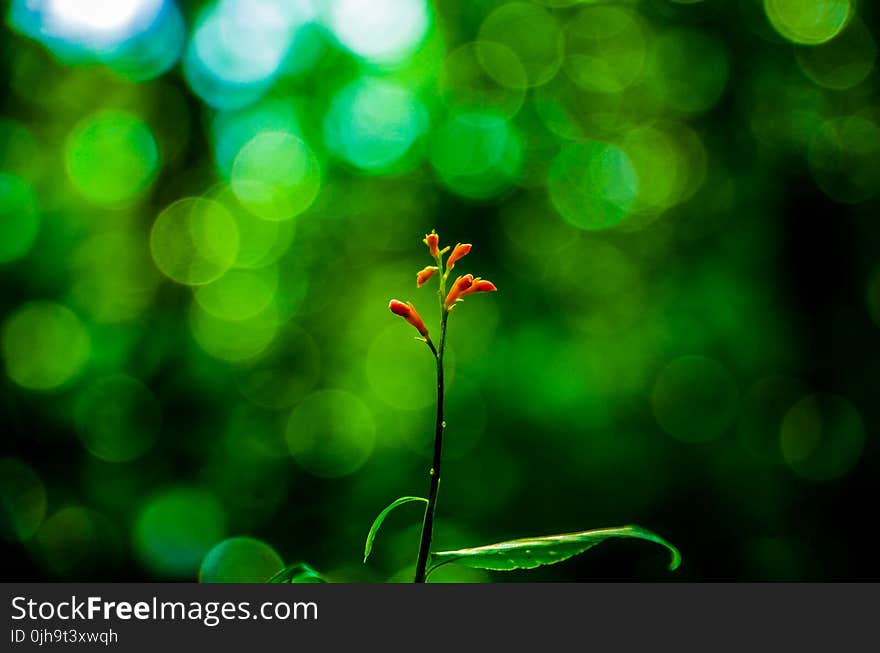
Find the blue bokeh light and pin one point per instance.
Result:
(139, 39)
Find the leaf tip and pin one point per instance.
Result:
(368, 547)
(676, 558)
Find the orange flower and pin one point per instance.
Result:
(423, 275)
(432, 240)
(465, 286)
(460, 251)
(461, 285)
(480, 285)
(408, 312)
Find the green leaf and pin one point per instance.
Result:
(532, 552)
(297, 573)
(378, 522)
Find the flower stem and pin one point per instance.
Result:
(428, 524)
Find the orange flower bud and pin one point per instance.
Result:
(480, 285)
(460, 286)
(432, 240)
(423, 275)
(408, 312)
(460, 251)
(465, 286)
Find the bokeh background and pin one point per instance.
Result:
(206, 206)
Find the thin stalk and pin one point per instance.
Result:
(428, 523)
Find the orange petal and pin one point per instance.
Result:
(458, 288)
(408, 312)
(480, 285)
(460, 251)
(432, 240)
(424, 274)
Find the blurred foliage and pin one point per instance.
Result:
(205, 207)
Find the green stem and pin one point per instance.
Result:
(428, 524)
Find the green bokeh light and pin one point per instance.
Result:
(118, 418)
(233, 129)
(695, 399)
(606, 48)
(45, 345)
(113, 277)
(688, 70)
(111, 157)
(409, 387)
(260, 242)
(285, 376)
(538, 241)
(331, 433)
(22, 500)
(19, 217)
(240, 560)
(843, 62)
(593, 185)
(822, 437)
(276, 175)
(239, 294)
(532, 34)
(466, 83)
(609, 288)
(77, 542)
(194, 241)
(175, 529)
(234, 340)
(669, 162)
(784, 110)
(476, 155)
(373, 124)
(254, 434)
(844, 158)
(764, 406)
(808, 22)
